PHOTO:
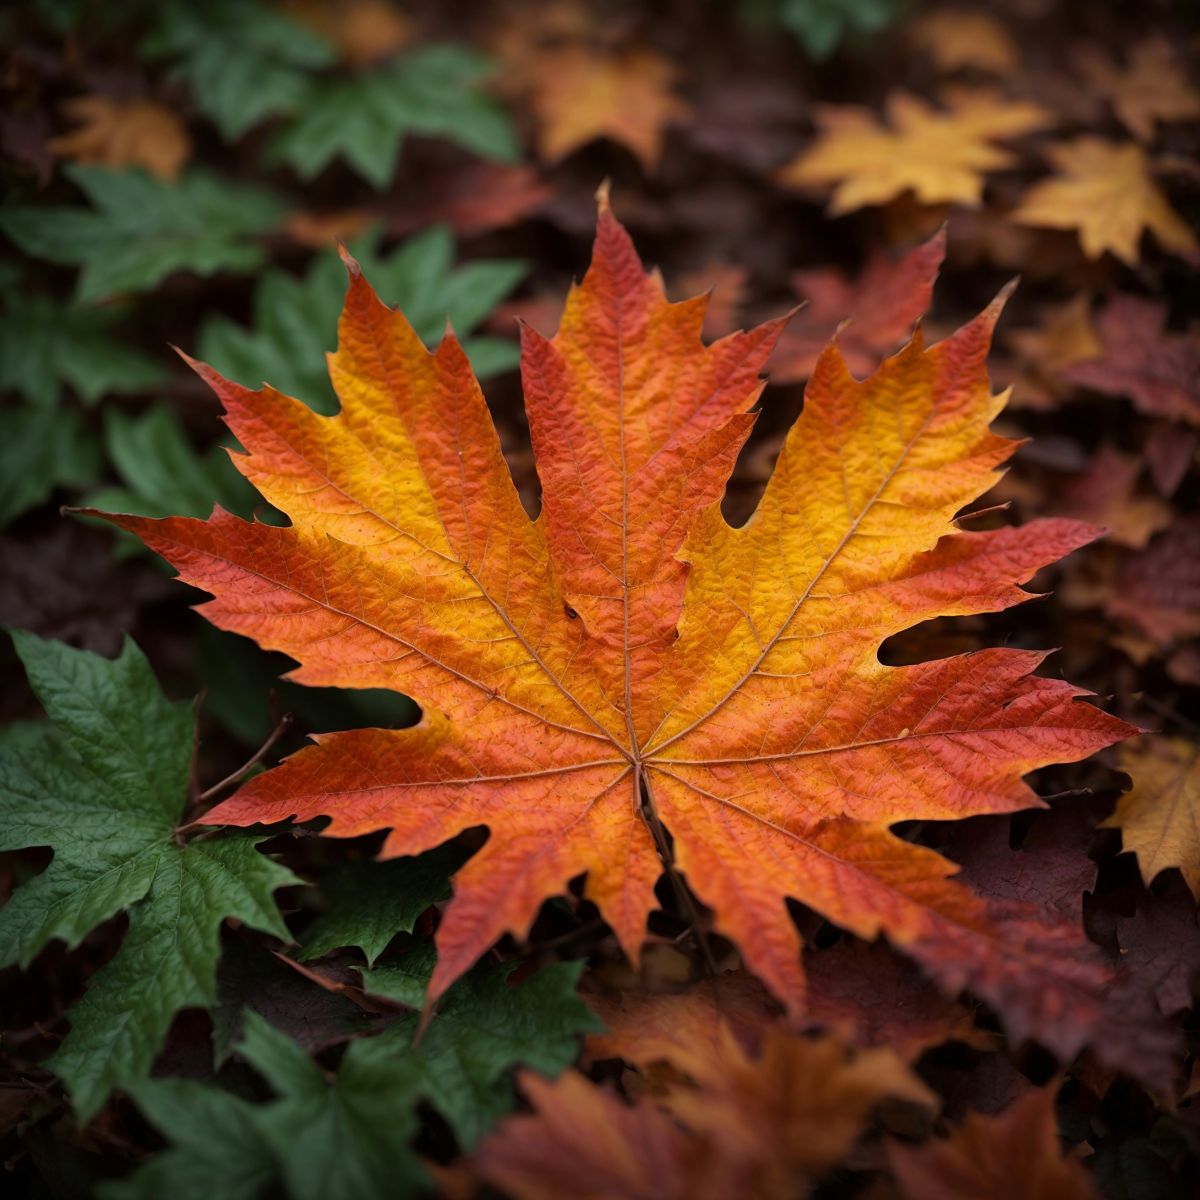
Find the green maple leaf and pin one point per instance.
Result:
(104, 784)
(42, 448)
(484, 1026)
(295, 318)
(140, 229)
(434, 91)
(163, 473)
(44, 345)
(347, 1136)
(243, 61)
(370, 902)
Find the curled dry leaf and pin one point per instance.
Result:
(1105, 191)
(630, 661)
(1138, 358)
(1016, 1153)
(940, 155)
(872, 316)
(1159, 817)
(125, 133)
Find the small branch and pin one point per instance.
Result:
(285, 723)
(1170, 714)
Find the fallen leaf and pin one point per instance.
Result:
(763, 1124)
(1107, 494)
(1138, 358)
(1152, 88)
(871, 316)
(1016, 1153)
(1064, 336)
(130, 133)
(1105, 191)
(580, 94)
(1159, 588)
(956, 40)
(474, 199)
(866, 993)
(940, 155)
(630, 661)
(1160, 948)
(1170, 451)
(1159, 817)
(582, 1140)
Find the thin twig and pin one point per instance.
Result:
(285, 723)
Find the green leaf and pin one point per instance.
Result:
(371, 902)
(44, 345)
(483, 1027)
(295, 319)
(434, 91)
(163, 473)
(244, 61)
(348, 1136)
(42, 448)
(140, 229)
(105, 789)
(216, 1148)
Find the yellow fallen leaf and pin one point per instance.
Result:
(940, 155)
(1106, 192)
(955, 40)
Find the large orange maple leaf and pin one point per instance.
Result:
(629, 661)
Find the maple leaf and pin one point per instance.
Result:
(1159, 817)
(1138, 358)
(940, 156)
(872, 316)
(134, 133)
(347, 1134)
(1105, 191)
(580, 94)
(767, 1123)
(244, 62)
(1107, 494)
(630, 661)
(1151, 89)
(141, 229)
(45, 346)
(1016, 1153)
(105, 786)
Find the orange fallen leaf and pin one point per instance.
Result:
(1105, 191)
(125, 133)
(940, 155)
(630, 661)
(764, 1124)
(1153, 88)
(956, 39)
(580, 94)
(1017, 1153)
